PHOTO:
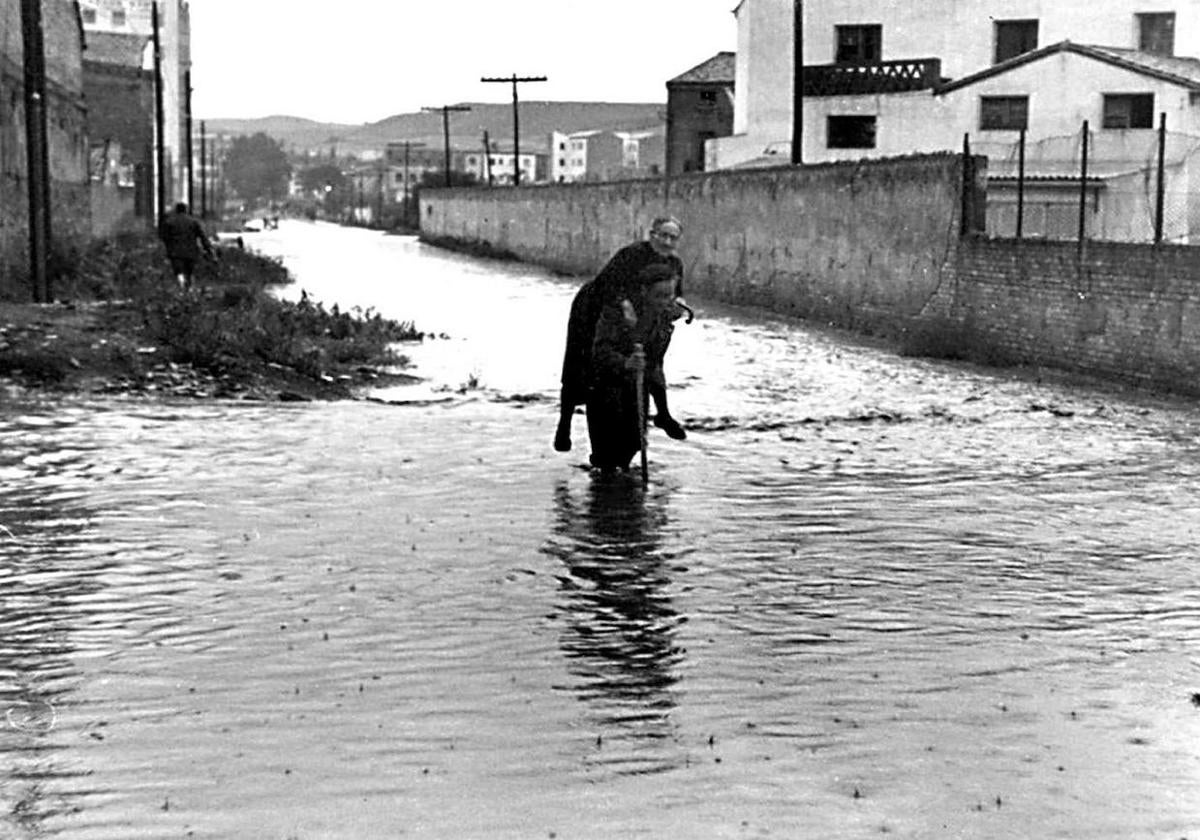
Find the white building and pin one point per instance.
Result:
(135, 17)
(882, 78)
(884, 59)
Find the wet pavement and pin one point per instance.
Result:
(870, 596)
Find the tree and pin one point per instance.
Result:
(257, 168)
(321, 178)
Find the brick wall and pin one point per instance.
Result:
(1123, 310)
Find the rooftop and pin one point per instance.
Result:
(717, 70)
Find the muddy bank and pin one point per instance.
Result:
(127, 329)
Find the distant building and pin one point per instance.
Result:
(134, 17)
(118, 86)
(596, 155)
(699, 109)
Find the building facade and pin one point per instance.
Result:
(898, 53)
(66, 133)
(118, 84)
(135, 17)
(699, 109)
(883, 79)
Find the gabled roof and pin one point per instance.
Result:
(717, 70)
(1181, 71)
(121, 48)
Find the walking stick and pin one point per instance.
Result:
(641, 417)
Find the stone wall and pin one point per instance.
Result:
(66, 138)
(876, 246)
(862, 245)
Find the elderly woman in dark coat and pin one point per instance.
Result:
(619, 278)
(645, 321)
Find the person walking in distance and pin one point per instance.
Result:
(618, 281)
(183, 237)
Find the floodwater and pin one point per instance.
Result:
(869, 596)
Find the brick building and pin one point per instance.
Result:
(699, 109)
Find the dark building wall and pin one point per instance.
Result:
(120, 103)
(695, 112)
(66, 137)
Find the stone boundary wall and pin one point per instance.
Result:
(1121, 310)
(875, 246)
(862, 245)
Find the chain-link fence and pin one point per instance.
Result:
(1115, 185)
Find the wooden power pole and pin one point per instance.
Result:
(160, 156)
(514, 79)
(446, 109)
(37, 156)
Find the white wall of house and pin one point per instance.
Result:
(1064, 89)
(962, 32)
(959, 32)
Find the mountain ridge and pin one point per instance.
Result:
(538, 119)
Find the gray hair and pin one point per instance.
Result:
(659, 221)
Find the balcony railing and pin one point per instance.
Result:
(875, 77)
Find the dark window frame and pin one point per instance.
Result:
(851, 131)
(1003, 113)
(1014, 37)
(858, 43)
(1158, 40)
(1127, 110)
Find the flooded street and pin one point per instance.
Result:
(869, 596)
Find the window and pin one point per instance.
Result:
(850, 133)
(1003, 113)
(1014, 37)
(1156, 33)
(1128, 110)
(859, 43)
(89, 15)
(118, 17)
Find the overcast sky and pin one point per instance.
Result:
(356, 61)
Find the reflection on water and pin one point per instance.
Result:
(868, 596)
(619, 626)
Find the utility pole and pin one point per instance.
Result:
(160, 162)
(408, 144)
(187, 138)
(798, 83)
(446, 109)
(514, 79)
(203, 174)
(37, 156)
(487, 157)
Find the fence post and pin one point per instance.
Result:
(1160, 198)
(968, 186)
(1083, 176)
(1021, 184)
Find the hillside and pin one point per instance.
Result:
(538, 119)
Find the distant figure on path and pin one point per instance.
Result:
(645, 318)
(183, 237)
(615, 283)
